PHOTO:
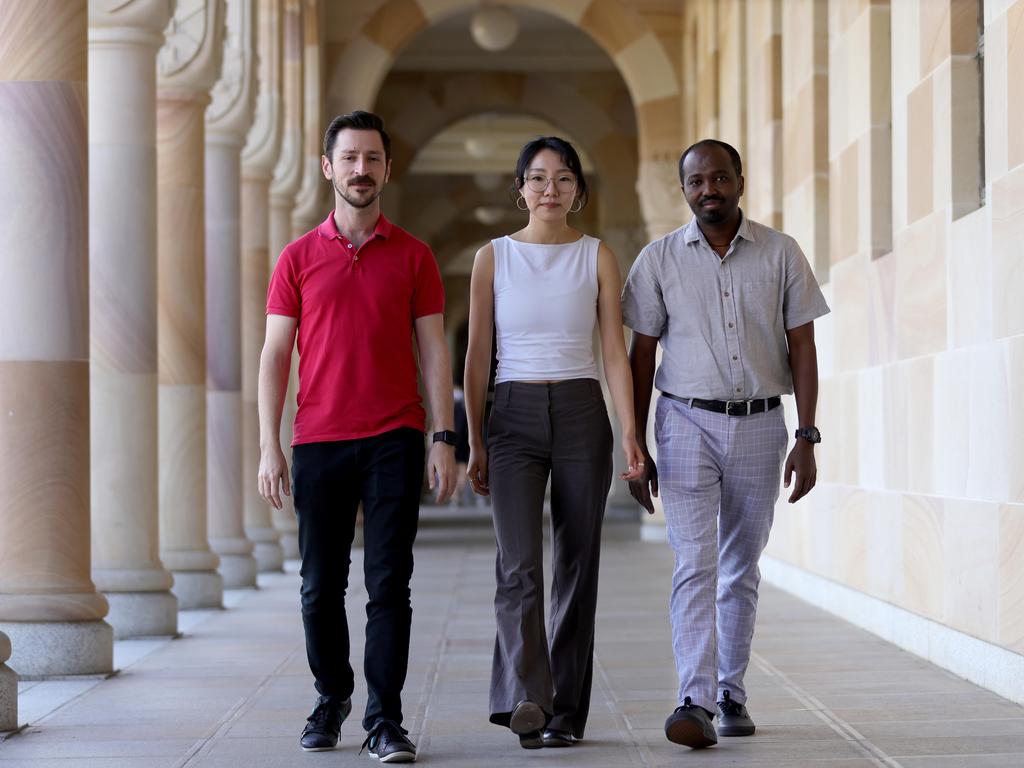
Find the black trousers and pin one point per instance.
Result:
(329, 480)
(537, 430)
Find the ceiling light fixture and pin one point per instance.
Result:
(494, 28)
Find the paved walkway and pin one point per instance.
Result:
(234, 690)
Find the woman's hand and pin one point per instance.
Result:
(476, 471)
(634, 459)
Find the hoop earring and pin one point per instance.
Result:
(524, 206)
(577, 210)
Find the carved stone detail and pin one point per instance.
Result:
(234, 95)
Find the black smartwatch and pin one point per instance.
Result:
(810, 434)
(446, 436)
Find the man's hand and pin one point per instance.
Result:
(647, 486)
(801, 461)
(441, 471)
(273, 476)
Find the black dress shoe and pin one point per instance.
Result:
(734, 719)
(531, 740)
(324, 724)
(691, 726)
(388, 743)
(527, 717)
(555, 738)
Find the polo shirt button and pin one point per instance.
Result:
(739, 389)
(735, 357)
(350, 245)
(726, 293)
(730, 325)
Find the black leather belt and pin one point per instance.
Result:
(729, 407)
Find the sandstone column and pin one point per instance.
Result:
(309, 202)
(49, 608)
(283, 188)
(123, 41)
(8, 688)
(227, 121)
(188, 67)
(258, 159)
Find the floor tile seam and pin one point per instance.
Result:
(205, 744)
(42, 720)
(639, 749)
(860, 742)
(434, 670)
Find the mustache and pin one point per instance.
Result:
(362, 180)
(709, 198)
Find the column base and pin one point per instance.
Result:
(269, 556)
(290, 545)
(142, 614)
(8, 699)
(238, 571)
(198, 589)
(41, 649)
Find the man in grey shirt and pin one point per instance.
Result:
(733, 304)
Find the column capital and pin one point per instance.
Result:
(190, 59)
(264, 139)
(234, 95)
(288, 171)
(148, 18)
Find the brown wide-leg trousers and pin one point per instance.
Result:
(560, 429)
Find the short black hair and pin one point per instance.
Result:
(359, 121)
(565, 150)
(737, 163)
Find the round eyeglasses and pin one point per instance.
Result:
(538, 182)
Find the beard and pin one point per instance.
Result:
(358, 199)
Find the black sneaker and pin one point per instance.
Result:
(691, 726)
(388, 743)
(734, 719)
(324, 724)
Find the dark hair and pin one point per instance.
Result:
(737, 163)
(564, 150)
(358, 121)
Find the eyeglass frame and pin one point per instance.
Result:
(549, 180)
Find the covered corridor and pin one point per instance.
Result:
(234, 689)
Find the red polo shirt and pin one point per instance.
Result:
(355, 310)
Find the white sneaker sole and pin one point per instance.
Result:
(395, 757)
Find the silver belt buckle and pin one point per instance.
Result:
(730, 402)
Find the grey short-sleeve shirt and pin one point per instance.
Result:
(722, 322)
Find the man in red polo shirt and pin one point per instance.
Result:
(358, 291)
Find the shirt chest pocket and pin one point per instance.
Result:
(758, 301)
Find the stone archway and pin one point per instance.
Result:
(625, 35)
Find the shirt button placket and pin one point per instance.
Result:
(732, 334)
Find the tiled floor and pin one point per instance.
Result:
(235, 689)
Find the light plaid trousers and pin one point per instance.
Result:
(719, 480)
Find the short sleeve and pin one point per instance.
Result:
(283, 296)
(803, 300)
(428, 293)
(643, 307)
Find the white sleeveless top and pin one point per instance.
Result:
(545, 309)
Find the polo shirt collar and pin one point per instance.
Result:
(329, 229)
(693, 234)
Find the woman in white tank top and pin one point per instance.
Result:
(543, 290)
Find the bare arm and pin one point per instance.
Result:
(803, 362)
(275, 362)
(613, 352)
(642, 357)
(478, 363)
(436, 368)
